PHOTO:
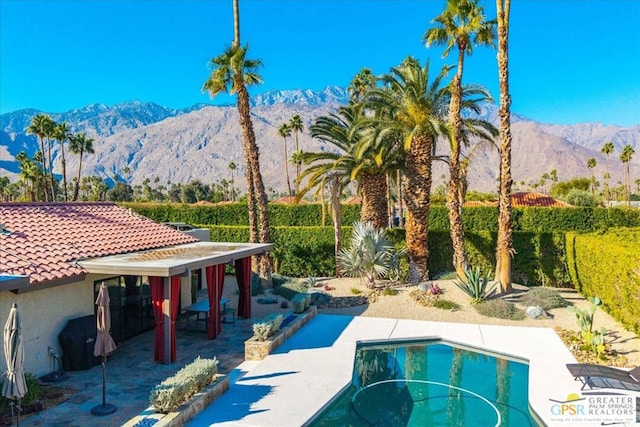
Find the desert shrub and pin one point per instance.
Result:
(287, 287)
(267, 326)
(388, 290)
(423, 297)
(355, 291)
(445, 275)
(445, 304)
(172, 392)
(547, 298)
(500, 309)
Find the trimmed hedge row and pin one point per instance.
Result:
(309, 251)
(475, 219)
(607, 265)
(237, 213)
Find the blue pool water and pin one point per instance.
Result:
(430, 384)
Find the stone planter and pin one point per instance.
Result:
(258, 350)
(186, 412)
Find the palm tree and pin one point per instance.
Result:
(637, 181)
(296, 159)
(462, 24)
(232, 168)
(591, 164)
(625, 158)
(79, 144)
(296, 126)
(607, 149)
(231, 73)
(361, 83)
(61, 133)
(41, 125)
(504, 250)
(412, 109)
(284, 131)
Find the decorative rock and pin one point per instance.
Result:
(284, 304)
(267, 300)
(536, 312)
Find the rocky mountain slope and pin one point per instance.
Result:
(200, 141)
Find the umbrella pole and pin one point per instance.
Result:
(104, 409)
(104, 380)
(19, 409)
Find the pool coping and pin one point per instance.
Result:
(303, 375)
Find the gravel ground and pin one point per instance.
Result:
(402, 306)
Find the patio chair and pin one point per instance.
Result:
(598, 376)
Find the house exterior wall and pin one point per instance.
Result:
(44, 313)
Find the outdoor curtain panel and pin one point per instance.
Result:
(215, 283)
(243, 275)
(157, 299)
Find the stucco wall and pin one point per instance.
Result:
(44, 313)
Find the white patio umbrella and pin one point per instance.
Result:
(14, 386)
(104, 346)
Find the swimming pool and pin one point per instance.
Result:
(430, 383)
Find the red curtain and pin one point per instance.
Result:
(243, 276)
(156, 284)
(215, 281)
(175, 308)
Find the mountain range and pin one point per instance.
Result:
(199, 142)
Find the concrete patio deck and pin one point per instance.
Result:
(303, 375)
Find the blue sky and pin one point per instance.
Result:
(571, 61)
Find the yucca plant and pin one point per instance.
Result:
(370, 255)
(475, 284)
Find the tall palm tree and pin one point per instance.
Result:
(232, 167)
(361, 83)
(504, 250)
(41, 125)
(296, 159)
(607, 149)
(414, 109)
(284, 131)
(79, 144)
(232, 73)
(296, 126)
(625, 158)
(462, 24)
(591, 164)
(61, 134)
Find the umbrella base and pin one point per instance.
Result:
(102, 410)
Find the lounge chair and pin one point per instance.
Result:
(598, 376)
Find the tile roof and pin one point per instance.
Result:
(538, 200)
(43, 240)
(520, 200)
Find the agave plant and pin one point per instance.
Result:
(475, 284)
(370, 255)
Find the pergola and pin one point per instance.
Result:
(166, 266)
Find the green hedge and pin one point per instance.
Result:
(309, 251)
(237, 214)
(607, 265)
(475, 219)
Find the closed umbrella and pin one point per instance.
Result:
(14, 386)
(104, 346)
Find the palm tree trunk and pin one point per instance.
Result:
(296, 182)
(374, 199)
(417, 197)
(44, 170)
(286, 166)
(64, 171)
(51, 180)
(77, 187)
(453, 201)
(336, 216)
(505, 232)
(389, 201)
(253, 164)
(400, 199)
(236, 23)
